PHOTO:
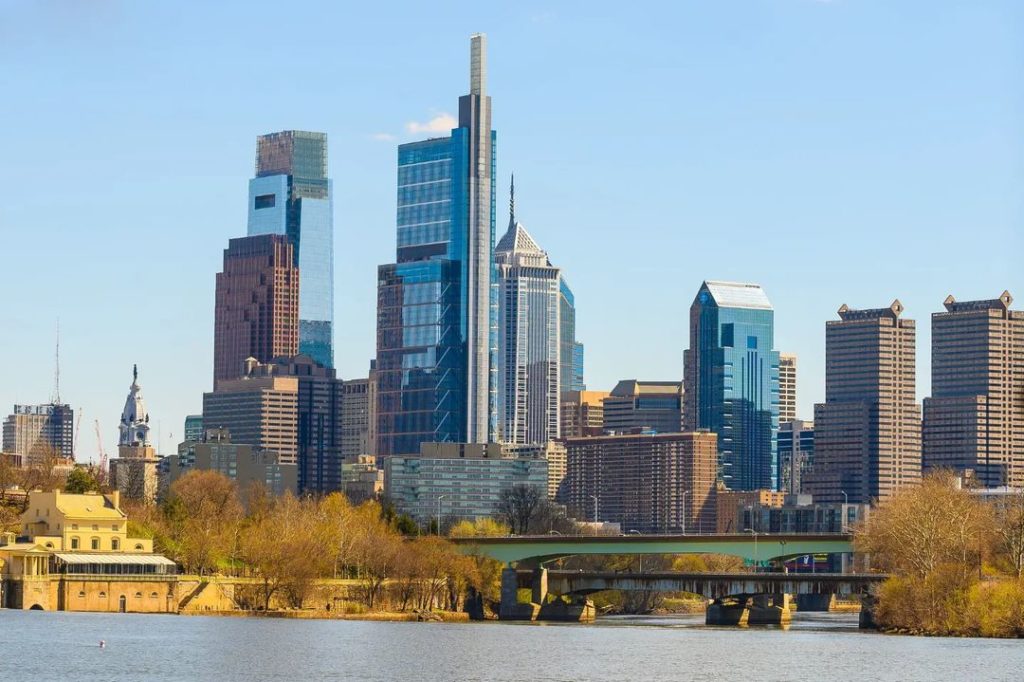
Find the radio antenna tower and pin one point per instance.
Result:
(55, 398)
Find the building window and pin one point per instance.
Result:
(103, 595)
(752, 342)
(114, 527)
(138, 547)
(115, 544)
(81, 595)
(265, 201)
(138, 595)
(74, 526)
(95, 526)
(727, 335)
(153, 595)
(74, 543)
(95, 542)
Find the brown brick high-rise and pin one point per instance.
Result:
(974, 419)
(867, 440)
(257, 304)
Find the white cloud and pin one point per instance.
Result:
(442, 123)
(383, 137)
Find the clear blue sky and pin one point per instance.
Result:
(851, 151)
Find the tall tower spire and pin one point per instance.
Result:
(512, 202)
(477, 64)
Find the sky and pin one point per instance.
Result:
(843, 151)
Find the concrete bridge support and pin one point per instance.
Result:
(573, 609)
(749, 609)
(815, 602)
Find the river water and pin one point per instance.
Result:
(38, 646)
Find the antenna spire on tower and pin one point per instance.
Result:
(55, 398)
(512, 202)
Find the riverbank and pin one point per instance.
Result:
(376, 616)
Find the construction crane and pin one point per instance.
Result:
(103, 453)
(78, 430)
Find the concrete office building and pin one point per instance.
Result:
(359, 417)
(261, 411)
(652, 483)
(292, 196)
(529, 345)
(256, 310)
(800, 514)
(732, 380)
(645, 405)
(867, 433)
(552, 451)
(459, 481)
(787, 387)
(974, 419)
(35, 432)
(244, 464)
(436, 306)
(796, 454)
(583, 413)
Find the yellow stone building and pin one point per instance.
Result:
(74, 554)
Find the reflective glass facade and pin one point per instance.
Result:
(292, 195)
(437, 305)
(571, 350)
(732, 381)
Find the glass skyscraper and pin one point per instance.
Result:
(437, 305)
(292, 195)
(732, 381)
(529, 348)
(570, 349)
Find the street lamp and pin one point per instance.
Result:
(785, 568)
(754, 533)
(594, 498)
(439, 498)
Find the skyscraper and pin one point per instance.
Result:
(787, 387)
(437, 305)
(291, 195)
(867, 433)
(732, 381)
(37, 432)
(796, 454)
(529, 348)
(257, 304)
(643, 405)
(571, 373)
(974, 419)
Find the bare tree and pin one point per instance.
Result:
(1010, 532)
(517, 506)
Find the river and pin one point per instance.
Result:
(39, 646)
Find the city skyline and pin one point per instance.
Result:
(921, 263)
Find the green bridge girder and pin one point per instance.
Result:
(512, 549)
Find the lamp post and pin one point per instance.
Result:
(785, 568)
(594, 498)
(754, 533)
(439, 498)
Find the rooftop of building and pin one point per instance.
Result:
(846, 313)
(634, 387)
(737, 295)
(1001, 304)
(85, 506)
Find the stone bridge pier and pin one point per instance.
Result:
(542, 605)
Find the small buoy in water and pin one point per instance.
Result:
(103, 644)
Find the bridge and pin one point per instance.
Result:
(754, 548)
(737, 598)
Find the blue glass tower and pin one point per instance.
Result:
(571, 350)
(292, 195)
(732, 381)
(437, 305)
